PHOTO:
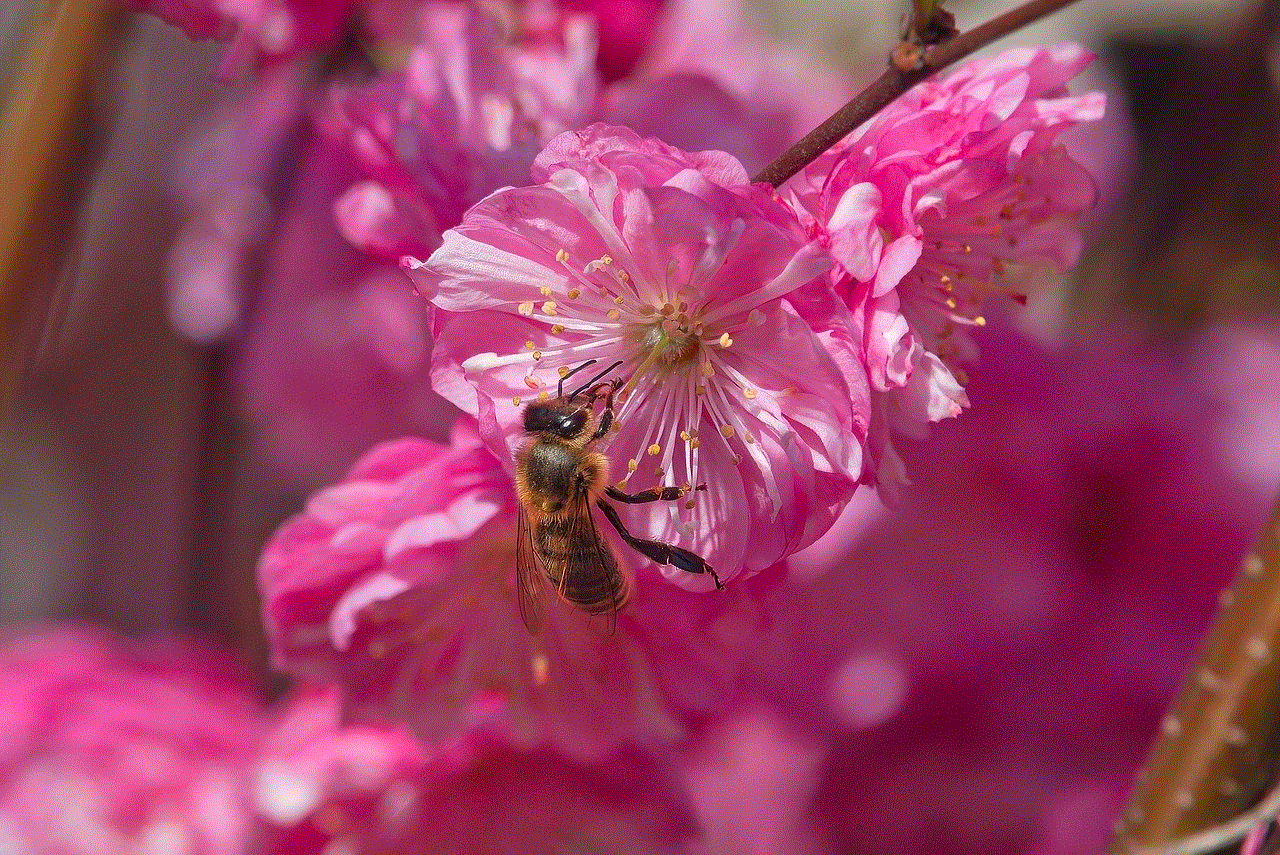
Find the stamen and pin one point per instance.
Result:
(725, 341)
(655, 450)
(562, 255)
(549, 308)
(525, 308)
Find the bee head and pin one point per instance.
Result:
(558, 417)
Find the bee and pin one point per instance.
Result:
(559, 477)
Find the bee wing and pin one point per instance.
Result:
(529, 577)
(585, 529)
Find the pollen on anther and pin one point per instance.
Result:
(748, 438)
(544, 291)
(556, 329)
(980, 321)
(620, 301)
(537, 354)
(655, 450)
(573, 293)
(606, 260)
(529, 345)
(951, 303)
(690, 504)
(544, 395)
(613, 314)
(633, 465)
(695, 444)
(516, 400)
(526, 308)
(562, 255)
(624, 276)
(563, 370)
(549, 308)
(725, 341)
(749, 394)
(726, 431)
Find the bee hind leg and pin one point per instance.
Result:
(660, 553)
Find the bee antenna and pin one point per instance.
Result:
(570, 373)
(590, 382)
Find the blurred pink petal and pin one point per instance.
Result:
(108, 748)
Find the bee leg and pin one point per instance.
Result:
(660, 553)
(653, 494)
(606, 415)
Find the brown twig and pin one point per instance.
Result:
(896, 80)
(47, 93)
(1214, 755)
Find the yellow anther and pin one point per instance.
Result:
(655, 450)
(526, 308)
(573, 293)
(562, 255)
(725, 341)
(726, 431)
(537, 354)
(632, 465)
(613, 314)
(544, 291)
(529, 345)
(549, 307)
(556, 329)
(749, 394)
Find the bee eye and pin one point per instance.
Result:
(572, 423)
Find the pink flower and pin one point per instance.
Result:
(399, 584)
(673, 265)
(954, 192)
(261, 32)
(466, 116)
(107, 749)
(367, 790)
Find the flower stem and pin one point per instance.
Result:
(895, 81)
(1215, 752)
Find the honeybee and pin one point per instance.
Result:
(558, 479)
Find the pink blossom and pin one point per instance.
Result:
(366, 790)
(110, 749)
(672, 264)
(466, 116)
(261, 32)
(954, 192)
(399, 584)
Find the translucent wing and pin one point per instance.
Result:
(529, 577)
(599, 576)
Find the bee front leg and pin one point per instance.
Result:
(660, 553)
(607, 391)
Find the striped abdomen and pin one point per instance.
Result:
(579, 564)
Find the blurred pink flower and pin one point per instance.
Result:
(336, 357)
(366, 790)
(955, 192)
(112, 749)
(672, 264)
(261, 32)
(398, 584)
(465, 116)
(997, 653)
(222, 179)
